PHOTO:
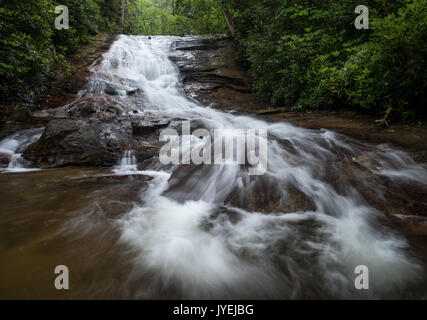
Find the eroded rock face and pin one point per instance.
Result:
(211, 75)
(93, 142)
(5, 160)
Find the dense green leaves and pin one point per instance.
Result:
(309, 55)
(175, 17)
(32, 50)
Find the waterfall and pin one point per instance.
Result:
(128, 164)
(129, 159)
(14, 145)
(198, 234)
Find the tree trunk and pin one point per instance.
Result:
(231, 25)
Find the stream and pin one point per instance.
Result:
(141, 229)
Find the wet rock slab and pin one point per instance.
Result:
(210, 74)
(94, 142)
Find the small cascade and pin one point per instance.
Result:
(17, 162)
(128, 164)
(14, 146)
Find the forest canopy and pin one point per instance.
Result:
(175, 17)
(309, 55)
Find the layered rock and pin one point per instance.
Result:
(211, 75)
(94, 142)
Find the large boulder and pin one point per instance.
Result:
(94, 142)
(5, 159)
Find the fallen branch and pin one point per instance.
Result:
(385, 120)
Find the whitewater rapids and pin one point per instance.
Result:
(186, 239)
(300, 254)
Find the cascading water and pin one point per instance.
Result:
(324, 206)
(15, 145)
(189, 240)
(128, 163)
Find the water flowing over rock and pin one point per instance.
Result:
(325, 204)
(12, 148)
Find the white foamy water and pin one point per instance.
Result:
(187, 240)
(127, 165)
(14, 145)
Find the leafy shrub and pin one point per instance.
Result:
(390, 69)
(32, 50)
(308, 54)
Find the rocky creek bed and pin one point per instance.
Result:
(98, 145)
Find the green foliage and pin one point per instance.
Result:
(85, 20)
(25, 45)
(32, 50)
(175, 17)
(390, 70)
(308, 54)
